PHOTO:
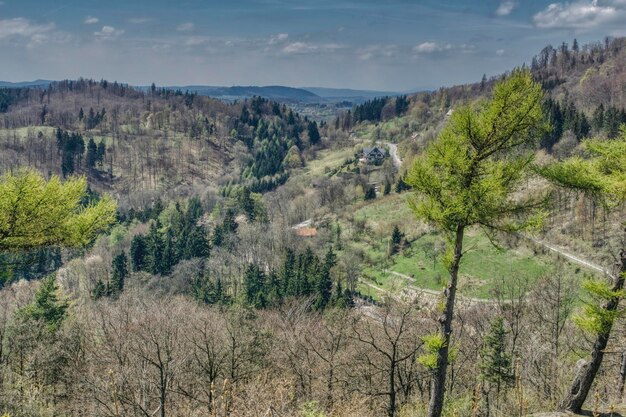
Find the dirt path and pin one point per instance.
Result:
(393, 151)
(569, 256)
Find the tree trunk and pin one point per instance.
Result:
(577, 394)
(622, 379)
(438, 386)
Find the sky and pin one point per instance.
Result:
(386, 45)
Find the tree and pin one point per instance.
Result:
(254, 282)
(466, 178)
(603, 177)
(92, 153)
(36, 213)
(314, 134)
(496, 365)
(119, 272)
(138, 252)
(46, 307)
(370, 193)
(396, 240)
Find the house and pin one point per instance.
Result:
(373, 155)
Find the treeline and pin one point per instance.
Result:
(379, 109)
(564, 117)
(9, 96)
(270, 141)
(71, 147)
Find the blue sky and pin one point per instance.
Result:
(392, 45)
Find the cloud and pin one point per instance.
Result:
(505, 8)
(90, 20)
(299, 48)
(185, 27)
(108, 32)
(20, 27)
(280, 38)
(426, 48)
(434, 47)
(500, 52)
(580, 14)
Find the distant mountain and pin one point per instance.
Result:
(346, 93)
(274, 92)
(22, 84)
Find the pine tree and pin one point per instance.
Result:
(396, 240)
(138, 253)
(254, 284)
(603, 177)
(99, 291)
(462, 180)
(154, 249)
(370, 193)
(46, 307)
(314, 134)
(496, 364)
(119, 273)
(92, 153)
(229, 224)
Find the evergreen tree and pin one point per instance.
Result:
(254, 284)
(462, 180)
(119, 273)
(154, 249)
(218, 235)
(603, 177)
(230, 224)
(396, 240)
(46, 307)
(92, 154)
(324, 285)
(138, 253)
(314, 134)
(370, 193)
(99, 291)
(496, 364)
(197, 244)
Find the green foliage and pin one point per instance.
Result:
(35, 212)
(46, 307)
(595, 318)
(469, 174)
(496, 364)
(119, 273)
(602, 175)
(432, 344)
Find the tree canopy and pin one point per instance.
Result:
(36, 213)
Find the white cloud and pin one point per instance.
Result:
(427, 48)
(185, 27)
(294, 48)
(196, 40)
(500, 52)
(90, 20)
(280, 38)
(580, 14)
(20, 27)
(108, 32)
(505, 8)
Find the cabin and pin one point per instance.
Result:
(373, 155)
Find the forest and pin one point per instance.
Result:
(168, 254)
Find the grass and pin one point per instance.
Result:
(328, 159)
(483, 265)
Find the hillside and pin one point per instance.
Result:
(155, 142)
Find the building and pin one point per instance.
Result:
(373, 155)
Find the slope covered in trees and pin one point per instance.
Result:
(141, 144)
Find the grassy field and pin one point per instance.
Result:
(482, 267)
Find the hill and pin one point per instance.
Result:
(154, 142)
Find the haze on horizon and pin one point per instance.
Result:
(395, 45)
